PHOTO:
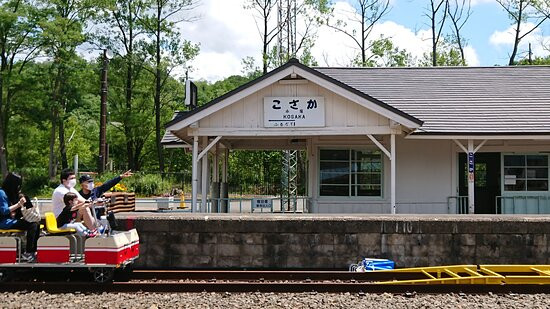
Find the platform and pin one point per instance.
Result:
(333, 241)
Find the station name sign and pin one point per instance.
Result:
(296, 112)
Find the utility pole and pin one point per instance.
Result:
(102, 159)
(530, 55)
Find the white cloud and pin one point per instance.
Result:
(476, 2)
(471, 56)
(227, 33)
(505, 39)
(334, 48)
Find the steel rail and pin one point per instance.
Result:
(275, 287)
(265, 275)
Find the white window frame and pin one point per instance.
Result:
(349, 185)
(523, 192)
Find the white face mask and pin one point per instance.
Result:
(71, 183)
(90, 186)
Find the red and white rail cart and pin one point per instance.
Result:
(60, 248)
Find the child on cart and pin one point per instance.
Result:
(67, 217)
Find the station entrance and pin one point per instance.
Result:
(487, 177)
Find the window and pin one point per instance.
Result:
(347, 172)
(480, 175)
(526, 172)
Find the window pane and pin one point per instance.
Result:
(334, 190)
(537, 185)
(480, 175)
(537, 173)
(370, 178)
(350, 172)
(366, 166)
(366, 190)
(335, 155)
(332, 166)
(519, 186)
(537, 160)
(334, 178)
(518, 172)
(367, 156)
(514, 160)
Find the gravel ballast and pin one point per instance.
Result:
(269, 300)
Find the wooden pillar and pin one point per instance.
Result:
(194, 174)
(471, 177)
(392, 176)
(205, 176)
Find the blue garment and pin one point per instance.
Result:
(6, 221)
(98, 191)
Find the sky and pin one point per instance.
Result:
(227, 33)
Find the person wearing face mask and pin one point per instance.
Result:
(88, 190)
(68, 182)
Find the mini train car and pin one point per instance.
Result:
(101, 255)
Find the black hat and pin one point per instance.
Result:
(85, 177)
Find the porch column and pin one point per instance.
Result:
(224, 194)
(391, 156)
(224, 166)
(470, 152)
(215, 180)
(194, 174)
(471, 176)
(392, 176)
(205, 175)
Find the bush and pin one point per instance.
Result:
(148, 184)
(36, 182)
(141, 183)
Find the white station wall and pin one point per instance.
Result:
(248, 113)
(425, 172)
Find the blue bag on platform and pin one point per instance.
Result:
(368, 264)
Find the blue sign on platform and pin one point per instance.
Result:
(471, 167)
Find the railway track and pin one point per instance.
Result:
(262, 281)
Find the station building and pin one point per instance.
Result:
(387, 140)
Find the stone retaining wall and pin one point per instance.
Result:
(308, 241)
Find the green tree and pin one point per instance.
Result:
(536, 61)
(124, 34)
(63, 32)
(447, 55)
(459, 11)
(19, 44)
(369, 13)
(168, 51)
(290, 42)
(383, 53)
(520, 13)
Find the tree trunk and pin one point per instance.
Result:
(363, 38)
(3, 149)
(516, 38)
(264, 50)
(52, 164)
(157, 94)
(129, 88)
(434, 39)
(62, 148)
(3, 157)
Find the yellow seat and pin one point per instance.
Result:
(51, 225)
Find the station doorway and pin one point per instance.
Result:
(487, 180)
